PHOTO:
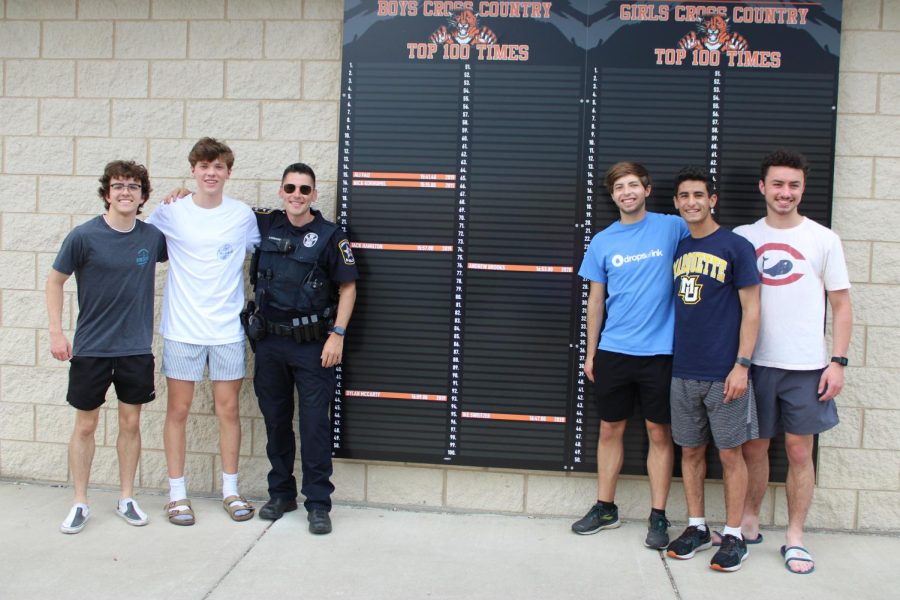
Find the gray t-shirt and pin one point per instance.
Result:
(114, 272)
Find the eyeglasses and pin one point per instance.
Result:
(121, 187)
(290, 188)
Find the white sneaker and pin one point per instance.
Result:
(129, 510)
(76, 519)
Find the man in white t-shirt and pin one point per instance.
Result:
(208, 235)
(794, 378)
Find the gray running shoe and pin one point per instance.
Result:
(596, 519)
(657, 532)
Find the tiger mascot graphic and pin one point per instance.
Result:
(712, 34)
(463, 28)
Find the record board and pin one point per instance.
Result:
(474, 138)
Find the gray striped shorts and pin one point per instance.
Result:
(187, 362)
(699, 414)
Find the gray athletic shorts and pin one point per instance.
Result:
(789, 401)
(188, 361)
(699, 409)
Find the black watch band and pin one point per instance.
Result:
(841, 360)
(339, 330)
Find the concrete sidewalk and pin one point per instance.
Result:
(379, 553)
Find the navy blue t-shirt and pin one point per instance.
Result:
(708, 273)
(115, 273)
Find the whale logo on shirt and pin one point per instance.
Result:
(779, 268)
(779, 264)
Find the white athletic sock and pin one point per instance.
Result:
(698, 522)
(735, 531)
(177, 489)
(229, 484)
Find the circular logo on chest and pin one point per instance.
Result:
(225, 250)
(310, 239)
(779, 264)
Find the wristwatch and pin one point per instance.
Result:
(841, 360)
(339, 330)
(743, 361)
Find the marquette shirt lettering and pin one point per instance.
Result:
(701, 263)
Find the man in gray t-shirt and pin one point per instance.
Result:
(113, 257)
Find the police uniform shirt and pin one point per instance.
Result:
(336, 259)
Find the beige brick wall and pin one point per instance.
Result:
(85, 81)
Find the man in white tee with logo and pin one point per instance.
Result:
(208, 235)
(794, 377)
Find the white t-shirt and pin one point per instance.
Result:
(797, 266)
(205, 285)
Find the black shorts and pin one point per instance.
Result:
(623, 380)
(90, 376)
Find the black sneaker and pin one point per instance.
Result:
(596, 519)
(689, 543)
(731, 554)
(657, 532)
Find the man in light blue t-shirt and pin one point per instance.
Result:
(631, 363)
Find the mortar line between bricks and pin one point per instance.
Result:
(238, 561)
(665, 563)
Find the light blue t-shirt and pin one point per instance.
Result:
(635, 263)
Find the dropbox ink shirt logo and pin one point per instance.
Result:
(143, 257)
(225, 250)
(618, 260)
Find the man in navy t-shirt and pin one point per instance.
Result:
(113, 257)
(631, 363)
(716, 324)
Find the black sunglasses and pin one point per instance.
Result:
(289, 188)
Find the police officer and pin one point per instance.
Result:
(304, 278)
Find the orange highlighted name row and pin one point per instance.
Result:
(401, 247)
(395, 395)
(404, 184)
(522, 268)
(512, 417)
(417, 176)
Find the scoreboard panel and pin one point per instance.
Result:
(474, 138)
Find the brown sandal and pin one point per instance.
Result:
(234, 504)
(176, 510)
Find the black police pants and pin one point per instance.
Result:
(281, 365)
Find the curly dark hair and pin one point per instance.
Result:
(124, 169)
(783, 157)
(694, 173)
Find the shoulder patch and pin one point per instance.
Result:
(346, 252)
